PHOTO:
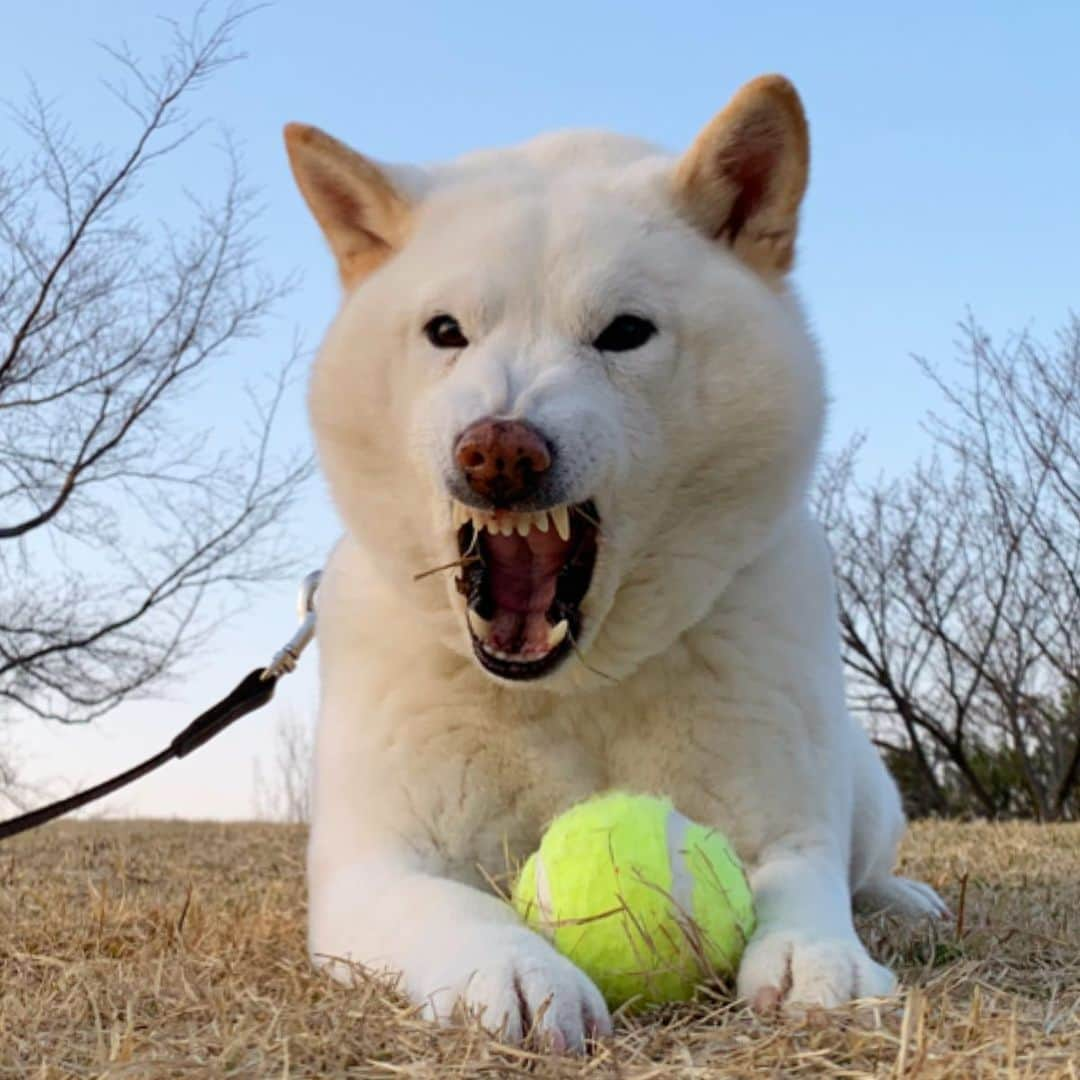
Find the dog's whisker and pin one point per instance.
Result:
(465, 560)
(585, 663)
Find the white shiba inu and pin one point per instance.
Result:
(574, 370)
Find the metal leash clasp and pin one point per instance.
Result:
(286, 657)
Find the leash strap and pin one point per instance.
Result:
(251, 693)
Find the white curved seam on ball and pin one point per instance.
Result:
(543, 897)
(682, 874)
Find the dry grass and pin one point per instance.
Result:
(174, 950)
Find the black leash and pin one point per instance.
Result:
(251, 693)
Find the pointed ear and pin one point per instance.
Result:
(363, 216)
(743, 179)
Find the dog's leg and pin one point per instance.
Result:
(823, 800)
(410, 794)
(878, 825)
(805, 950)
(453, 946)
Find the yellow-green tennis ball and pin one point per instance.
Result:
(647, 903)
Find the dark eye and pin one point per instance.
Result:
(623, 333)
(444, 332)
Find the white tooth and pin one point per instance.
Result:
(480, 626)
(492, 526)
(540, 520)
(523, 524)
(561, 516)
(557, 633)
(459, 514)
(508, 526)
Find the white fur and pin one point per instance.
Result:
(713, 669)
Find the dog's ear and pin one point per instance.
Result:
(742, 180)
(362, 214)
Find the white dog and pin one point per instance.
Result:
(574, 368)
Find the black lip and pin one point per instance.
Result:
(522, 670)
(570, 590)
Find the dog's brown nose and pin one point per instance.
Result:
(502, 460)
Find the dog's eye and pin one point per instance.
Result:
(623, 333)
(444, 332)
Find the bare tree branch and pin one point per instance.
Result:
(959, 585)
(120, 520)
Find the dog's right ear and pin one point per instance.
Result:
(362, 214)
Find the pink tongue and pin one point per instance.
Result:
(523, 572)
(522, 635)
(523, 569)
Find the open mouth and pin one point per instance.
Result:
(524, 578)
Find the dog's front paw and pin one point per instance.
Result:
(791, 969)
(517, 984)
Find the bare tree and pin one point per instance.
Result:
(16, 794)
(119, 518)
(284, 792)
(959, 587)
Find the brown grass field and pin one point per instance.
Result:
(151, 949)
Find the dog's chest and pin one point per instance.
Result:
(510, 781)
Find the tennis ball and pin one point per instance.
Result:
(647, 903)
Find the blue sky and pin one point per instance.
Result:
(946, 162)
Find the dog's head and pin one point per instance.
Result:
(575, 366)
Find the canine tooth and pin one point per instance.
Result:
(459, 514)
(561, 516)
(523, 524)
(557, 633)
(540, 520)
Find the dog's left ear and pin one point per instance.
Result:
(744, 177)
